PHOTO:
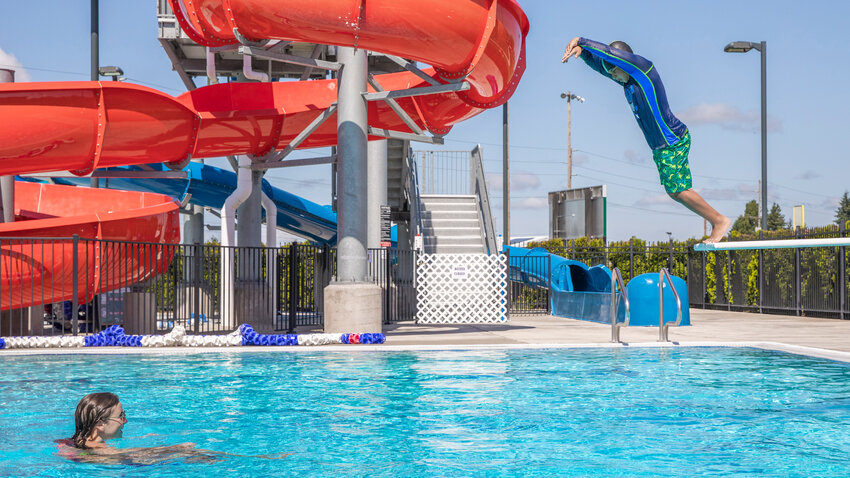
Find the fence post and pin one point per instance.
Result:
(842, 271)
(704, 280)
(549, 284)
(798, 273)
(197, 285)
(508, 288)
(293, 286)
(670, 257)
(76, 283)
(631, 258)
(727, 286)
(387, 285)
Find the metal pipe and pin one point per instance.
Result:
(376, 194)
(95, 57)
(763, 50)
(352, 141)
(228, 239)
(617, 280)
(212, 77)
(506, 178)
(249, 72)
(662, 327)
(271, 247)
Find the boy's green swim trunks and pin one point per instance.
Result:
(673, 167)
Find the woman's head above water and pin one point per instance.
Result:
(99, 417)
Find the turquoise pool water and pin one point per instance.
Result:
(565, 412)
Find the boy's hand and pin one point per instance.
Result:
(572, 50)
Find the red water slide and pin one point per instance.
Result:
(81, 126)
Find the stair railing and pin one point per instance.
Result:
(411, 195)
(662, 326)
(478, 187)
(617, 280)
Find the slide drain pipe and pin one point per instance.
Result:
(244, 186)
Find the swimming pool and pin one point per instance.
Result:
(566, 412)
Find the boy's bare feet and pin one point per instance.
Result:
(718, 230)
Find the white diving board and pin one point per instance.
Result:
(774, 244)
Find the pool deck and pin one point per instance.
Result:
(824, 338)
(708, 326)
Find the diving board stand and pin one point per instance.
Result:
(774, 244)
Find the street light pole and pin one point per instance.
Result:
(743, 47)
(763, 50)
(569, 96)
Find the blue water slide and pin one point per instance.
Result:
(582, 292)
(209, 186)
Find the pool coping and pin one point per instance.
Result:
(827, 354)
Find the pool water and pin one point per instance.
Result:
(565, 412)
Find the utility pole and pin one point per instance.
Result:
(506, 179)
(569, 96)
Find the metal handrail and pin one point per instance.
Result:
(662, 327)
(412, 190)
(478, 187)
(617, 280)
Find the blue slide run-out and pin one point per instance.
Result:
(208, 186)
(582, 292)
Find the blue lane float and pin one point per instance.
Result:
(245, 335)
(584, 293)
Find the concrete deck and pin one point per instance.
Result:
(707, 326)
(825, 338)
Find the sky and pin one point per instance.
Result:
(716, 94)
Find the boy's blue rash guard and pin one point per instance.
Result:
(644, 92)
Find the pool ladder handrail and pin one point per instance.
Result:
(617, 280)
(662, 327)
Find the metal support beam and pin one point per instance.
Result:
(376, 194)
(352, 127)
(317, 50)
(294, 162)
(420, 91)
(411, 67)
(385, 133)
(319, 121)
(292, 59)
(7, 183)
(393, 104)
(175, 64)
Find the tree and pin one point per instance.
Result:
(746, 223)
(842, 214)
(775, 219)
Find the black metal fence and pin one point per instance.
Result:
(55, 286)
(811, 282)
(528, 287)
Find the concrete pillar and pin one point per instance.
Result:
(7, 183)
(352, 304)
(376, 194)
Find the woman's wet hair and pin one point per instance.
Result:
(94, 408)
(621, 45)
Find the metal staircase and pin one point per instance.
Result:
(451, 225)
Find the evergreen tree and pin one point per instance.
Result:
(746, 223)
(842, 214)
(775, 219)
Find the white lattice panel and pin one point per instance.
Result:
(461, 289)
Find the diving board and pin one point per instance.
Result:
(774, 244)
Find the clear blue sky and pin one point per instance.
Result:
(715, 93)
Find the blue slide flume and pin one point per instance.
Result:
(209, 186)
